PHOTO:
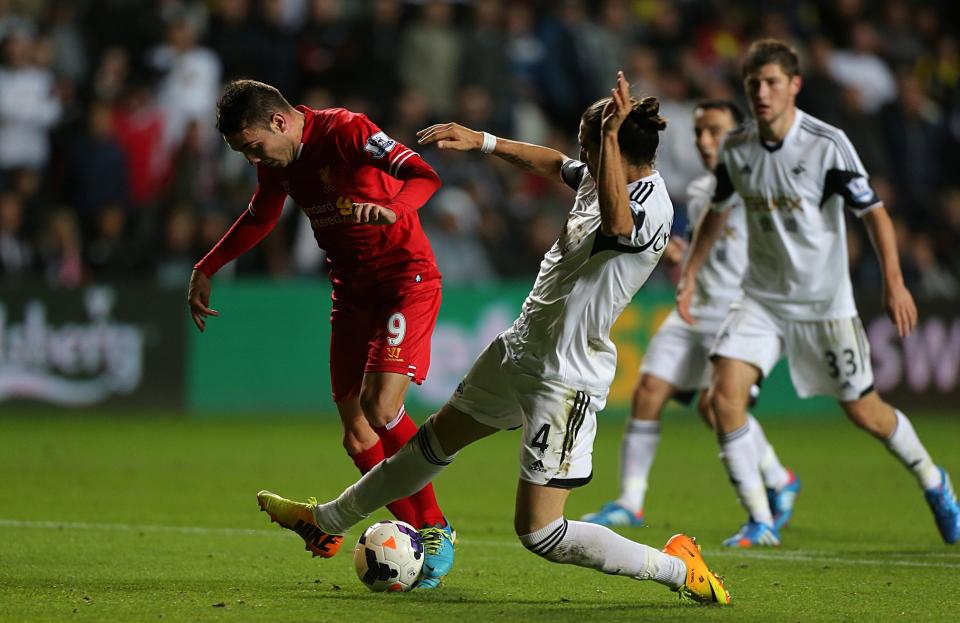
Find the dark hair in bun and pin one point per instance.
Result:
(640, 133)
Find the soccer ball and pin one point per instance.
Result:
(389, 556)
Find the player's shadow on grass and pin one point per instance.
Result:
(516, 605)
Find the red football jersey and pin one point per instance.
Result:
(345, 158)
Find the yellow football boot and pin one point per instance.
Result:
(298, 516)
(701, 584)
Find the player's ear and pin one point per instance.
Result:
(279, 122)
(796, 83)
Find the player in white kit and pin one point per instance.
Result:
(676, 363)
(550, 372)
(795, 174)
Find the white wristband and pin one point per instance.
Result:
(489, 143)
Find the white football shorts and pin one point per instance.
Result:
(679, 353)
(826, 357)
(559, 422)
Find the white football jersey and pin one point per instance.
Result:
(718, 280)
(586, 280)
(794, 193)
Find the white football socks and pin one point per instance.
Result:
(412, 468)
(595, 547)
(773, 473)
(738, 452)
(637, 450)
(905, 445)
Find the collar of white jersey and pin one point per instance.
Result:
(795, 128)
(788, 138)
(650, 179)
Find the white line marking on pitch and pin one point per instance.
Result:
(812, 556)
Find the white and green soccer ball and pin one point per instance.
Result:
(389, 556)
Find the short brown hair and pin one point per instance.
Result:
(766, 51)
(248, 104)
(639, 135)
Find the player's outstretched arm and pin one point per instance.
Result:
(704, 236)
(535, 158)
(896, 297)
(615, 215)
(251, 227)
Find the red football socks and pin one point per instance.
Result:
(393, 437)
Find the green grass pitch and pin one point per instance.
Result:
(153, 518)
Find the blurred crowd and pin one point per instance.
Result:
(111, 168)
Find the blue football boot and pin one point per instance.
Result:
(752, 534)
(614, 514)
(438, 553)
(782, 500)
(943, 503)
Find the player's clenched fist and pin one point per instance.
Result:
(373, 214)
(451, 136)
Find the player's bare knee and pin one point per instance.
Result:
(378, 409)
(648, 399)
(724, 398)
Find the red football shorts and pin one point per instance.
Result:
(378, 335)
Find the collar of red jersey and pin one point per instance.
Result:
(299, 151)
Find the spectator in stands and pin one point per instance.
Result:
(29, 106)
(230, 35)
(178, 252)
(112, 253)
(379, 34)
(453, 236)
(70, 54)
(484, 62)
(138, 125)
(935, 281)
(93, 151)
(429, 55)
(915, 141)
(901, 46)
(110, 77)
(61, 251)
(326, 54)
(16, 250)
(190, 83)
(276, 48)
(860, 67)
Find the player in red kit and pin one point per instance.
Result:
(361, 191)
